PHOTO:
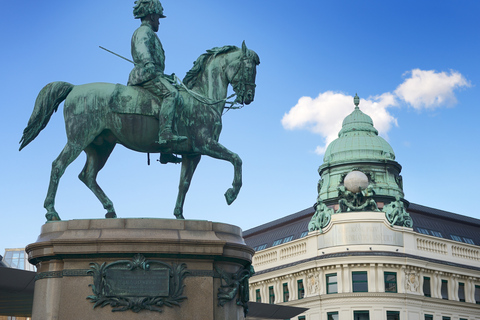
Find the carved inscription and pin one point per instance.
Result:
(360, 233)
(137, 283)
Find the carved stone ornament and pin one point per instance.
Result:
(235, 285)
(412, 281)
(138, 284)
(313, 283)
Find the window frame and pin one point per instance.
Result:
(300, 290)
(444, 289)
(258, 296)
(476, 294)
(461, 285)
(277, 242)
(271, 295)
(331, 314)
(389, 273)
(456, 238)
(354, 283)
(429, 294)
(286, 294)
(328, 283)
(394, 313)
(359, 312)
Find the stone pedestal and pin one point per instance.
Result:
(175, 268)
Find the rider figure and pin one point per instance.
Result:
(149, 58)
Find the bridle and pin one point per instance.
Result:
(239, 88)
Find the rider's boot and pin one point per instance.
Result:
(166, 136)
(169, 158)
(167, 111)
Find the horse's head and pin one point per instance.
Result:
(243, 75)
(218, 67)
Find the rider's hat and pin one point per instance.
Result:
(143, 8)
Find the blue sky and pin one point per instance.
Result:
(414, 64)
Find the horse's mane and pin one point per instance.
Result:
(199, 65)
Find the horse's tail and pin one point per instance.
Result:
(46, 104)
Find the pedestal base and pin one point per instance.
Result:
(150, 268)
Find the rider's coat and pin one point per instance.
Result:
(148, 55)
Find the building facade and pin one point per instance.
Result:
(363, 251)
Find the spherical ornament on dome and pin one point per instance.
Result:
(356, 181)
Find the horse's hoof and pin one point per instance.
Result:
(52, 216)
(230, 196)
(178, 214)
(110, 215)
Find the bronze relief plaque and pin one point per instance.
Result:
(137, 284)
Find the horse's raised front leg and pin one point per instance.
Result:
(69, 153)
(189, 164)
(215, 150)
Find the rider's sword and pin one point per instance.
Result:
(117, 54)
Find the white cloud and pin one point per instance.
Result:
(429, 89)
(324, 114)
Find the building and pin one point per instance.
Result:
(17, 258)
(363, 251)
(16, 285)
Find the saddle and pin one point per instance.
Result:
(134, 100)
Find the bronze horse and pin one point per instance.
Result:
(100, 115)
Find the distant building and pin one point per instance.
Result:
(364, 252)
(17, 258)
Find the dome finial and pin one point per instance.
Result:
(356, 101)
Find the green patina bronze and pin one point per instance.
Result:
(235, 285)
(137, 285)
(152, 114)
(358, 174)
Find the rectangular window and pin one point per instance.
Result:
(258, 297)
(301, 289)
(301, 318)
(445, 318)
(261, 247)
(361, 315)
(436, 233)
(390, 281)
(277, 242)
(271, 295)
(461, 292)
(426, 287)
(463, 319)
(422, 230)
(444, 289)
(332, 283)
(393, 315)
(477, 294)
(428, 317)
(304, 234)
(456, 238)
(468, 240)
(286, 294)
(359, 281)
(332, 315)
(287, 239)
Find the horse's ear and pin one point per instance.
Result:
(244, 48)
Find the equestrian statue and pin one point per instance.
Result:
(154, 113)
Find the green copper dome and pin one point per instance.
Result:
(358, 140)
